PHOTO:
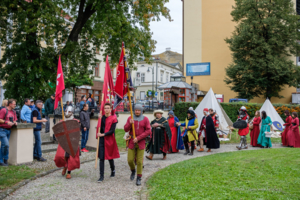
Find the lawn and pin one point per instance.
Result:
(11, 175)
(260, 174)
(119, 134)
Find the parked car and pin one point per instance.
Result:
(238, 100)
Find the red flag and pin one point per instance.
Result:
(121, 77)
(60, 84)
(108, 87)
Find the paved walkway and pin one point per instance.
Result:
(83, 184)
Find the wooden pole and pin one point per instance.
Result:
(96, 160)
(62, 109)
(128, 92)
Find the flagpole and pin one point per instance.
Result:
(128, 92)
(62, 109)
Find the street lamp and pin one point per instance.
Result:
(152, 76)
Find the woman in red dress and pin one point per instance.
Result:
(287, 125)
(255, 131)
(176, 139)
(293, 136)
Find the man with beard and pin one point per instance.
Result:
(136, 146)
(211, 135)
(160, 138)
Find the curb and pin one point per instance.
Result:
(8, 191)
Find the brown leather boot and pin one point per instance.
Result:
(209, 150)
(200, 150)
(150, 156)
(165, 157)
(64, 171)
(68, 176)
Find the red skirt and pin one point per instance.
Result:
(254, 135)
(244, 131)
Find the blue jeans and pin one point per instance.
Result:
(4, 138)
(37, 149)
(84, 137)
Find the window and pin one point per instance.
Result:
(138, 75)
(167, 77)
(143, 77)
(97, 70)
(161, 76)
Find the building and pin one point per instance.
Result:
(151, 76)
(177, 90)
(206, 23)
(169, 56)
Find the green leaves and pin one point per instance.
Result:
(264, 40)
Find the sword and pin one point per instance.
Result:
(222, 131)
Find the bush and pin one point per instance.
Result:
(232, 109)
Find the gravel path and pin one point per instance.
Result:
(83, 184)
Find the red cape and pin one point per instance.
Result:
(110, 144)
(60, 160)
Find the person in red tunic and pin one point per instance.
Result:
(108, 148)
(136, 147)
(293, 136)
(176, 141)
(62, 158)
(287, 125)
(243, 115)
(202, 131)
(255, 131)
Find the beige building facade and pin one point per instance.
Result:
(206, 24)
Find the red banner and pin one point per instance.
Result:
(60, 84)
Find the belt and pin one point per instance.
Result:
(5, 128)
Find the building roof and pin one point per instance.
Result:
(177, 75)
(179, 84)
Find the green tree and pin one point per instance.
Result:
(34, 32)
(152, 93)
(265, 38)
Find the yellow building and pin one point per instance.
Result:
(206, 23)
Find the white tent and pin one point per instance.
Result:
(271, 112)
(210, 101)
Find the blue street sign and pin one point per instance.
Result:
(156, 94)
(149, 93)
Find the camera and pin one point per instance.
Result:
(11, 119)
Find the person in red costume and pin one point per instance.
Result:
(202, 131)
(288, 122)
(136, 147)
(293, 137)
(62, 158)
(243, 115)
(255, 131)
(108, 148)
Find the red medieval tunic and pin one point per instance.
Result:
(293, 136)
(111, 150)
(174, 132)
(62, 159)
(287, 125)
(244, 131)
(255, 132)
(203, 128)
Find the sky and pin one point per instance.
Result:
(166, 33)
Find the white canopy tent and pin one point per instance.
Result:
(210, 101)
(271, 112)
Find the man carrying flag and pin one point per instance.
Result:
(107, 122)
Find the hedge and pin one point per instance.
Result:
(232, 109)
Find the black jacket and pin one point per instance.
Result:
(85, 118)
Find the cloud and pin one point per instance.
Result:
(166, 33)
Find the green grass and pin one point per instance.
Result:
(260, 174)
(119, 134)
(11, 175)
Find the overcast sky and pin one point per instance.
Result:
(169, 34)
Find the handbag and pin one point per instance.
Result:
(269, 134)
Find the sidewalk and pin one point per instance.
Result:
(83, 184)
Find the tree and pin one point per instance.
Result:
(266, 36)
(152, 93)
(74, 28)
